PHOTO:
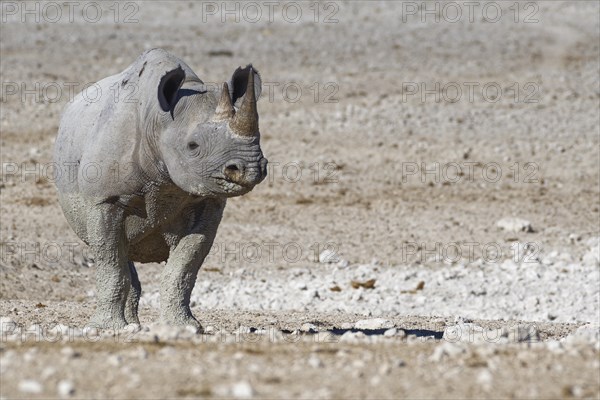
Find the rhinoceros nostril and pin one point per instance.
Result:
(234, 170)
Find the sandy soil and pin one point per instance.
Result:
(353, 170)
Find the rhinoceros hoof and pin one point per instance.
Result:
(102, 321)
(183, 321)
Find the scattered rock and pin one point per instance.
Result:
(554, 346)
(65, 388)
(328, 257)
(243, 330)
(385, 369)
(573, 391)
(462, 320)
(592, 257)
(8, 327)
(47, 373)
(512, 224)
(162, 332)
(210, 330)
(69, 352)
(90, 332)
(315, 362)
(390, 332)
(370, 284)
(115, 360)
(31, 355)
(420, 286)
(593, 241)
(373, 324)
(352, 337)
(61, 331)
(585, 334)
(309, 328)
(522, 333)
(447, 349)
(242, 390)
(167, 351)
(30, 386)
(485, 378)
(400, 363)
(139, 352)
(471, 333)
(464, 332)
(375, 380)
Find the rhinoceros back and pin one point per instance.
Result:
(103, 127)
(97, 150)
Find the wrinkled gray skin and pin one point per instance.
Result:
(146, 175)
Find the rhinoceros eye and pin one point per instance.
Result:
(193, 149)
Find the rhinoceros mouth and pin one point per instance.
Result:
(232, 188)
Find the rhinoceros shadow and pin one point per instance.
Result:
(375, 332)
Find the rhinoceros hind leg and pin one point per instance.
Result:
(133, 297)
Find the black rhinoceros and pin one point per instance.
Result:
(155, 163)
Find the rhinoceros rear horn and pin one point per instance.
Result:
(245, 121)
(225, 110)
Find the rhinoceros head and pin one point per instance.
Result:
(217, 154)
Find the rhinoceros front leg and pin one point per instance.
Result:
(185, 259)
(107, 240)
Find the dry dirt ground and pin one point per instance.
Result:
(397, 139)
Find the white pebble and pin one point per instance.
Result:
(30, 386)
(373, 324)
(65, 388)
(485, 378)
(7, 327)
(308, 327)
(390, 332)
(115, 360)
(385, 369)
(511, 224)
(328, 257)
(315, 362)
(242, 390)
(446, 349)
(352, 337)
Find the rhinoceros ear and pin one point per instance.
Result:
(239, 82)
(168, 87)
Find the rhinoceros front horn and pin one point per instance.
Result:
(225, 110)
(245, 121)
